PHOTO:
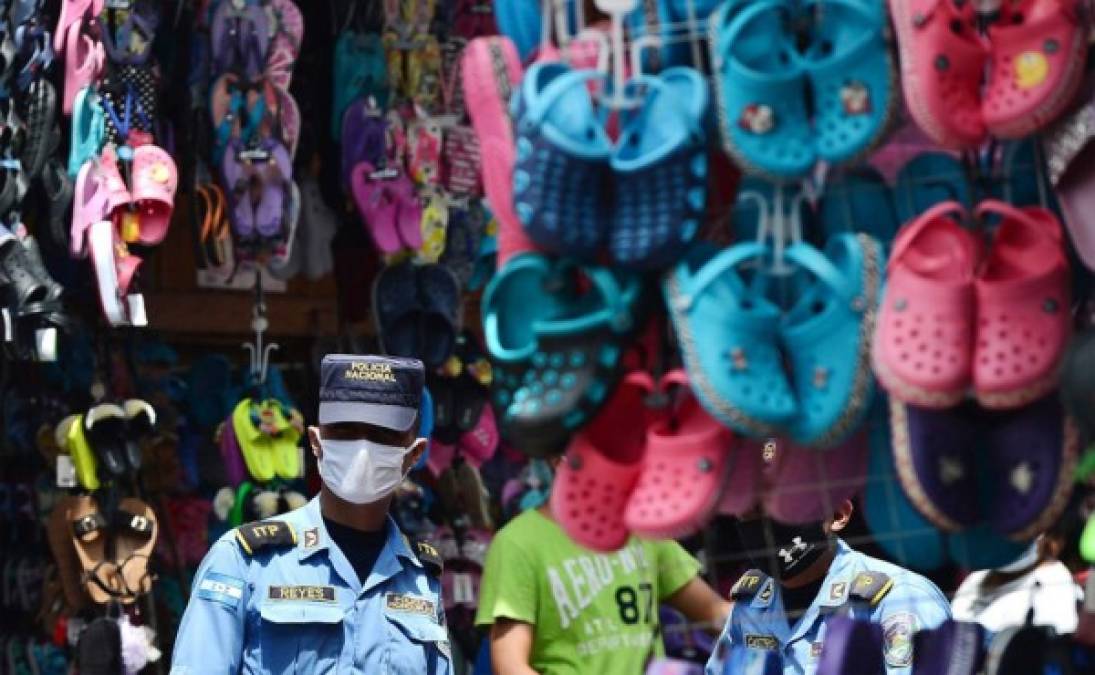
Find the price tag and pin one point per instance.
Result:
(66, 472)
(45, 340)
(463, 592)
(137, 315)
(119, 4)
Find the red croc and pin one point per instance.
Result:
(687, 458)
(1023, 307)
(1038, 50)
(924, 335)
(594, 481)
(942, 67)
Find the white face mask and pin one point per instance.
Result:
(361, 471)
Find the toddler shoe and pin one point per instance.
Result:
(660, 172)
(1023, 308)
(1038, 50)
(560, 178)
(760, 89)
(942, 67)
(921, 350)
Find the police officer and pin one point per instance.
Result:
(333, 586)
(815, 576)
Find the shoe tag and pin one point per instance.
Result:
(119, 4)
(131, 227)
(137, 315)
(9, 330)
(66, 472)
(463, 593)
(45, 343)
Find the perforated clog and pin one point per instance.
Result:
(1038, 55)
(562, 170)
(922, 345)
(688, 456)
(760, 87)
(660, 172)
(728, 336)
(852, 77)
(1023, 308)
(826, 337)
(942, 66)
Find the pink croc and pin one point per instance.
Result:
(595, 479)
(1023, 308)
(155, 179)
(805, 484)
(942, 66)
(921, 350)
(1038, 49)
(687, 458)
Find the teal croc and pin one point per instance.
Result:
(761, 89)
(826, 337)
(88, 130)
(555, 330)
(728, 336)
(853, 77)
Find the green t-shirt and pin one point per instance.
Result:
(592, 612)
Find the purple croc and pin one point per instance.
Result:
(934, 452)
(851, 647)
(1032, 455)
(954, 648)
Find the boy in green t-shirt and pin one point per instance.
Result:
(556, 608)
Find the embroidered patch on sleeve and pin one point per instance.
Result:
(897, 639)
(221, 588)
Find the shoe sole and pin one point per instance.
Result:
(101, 242)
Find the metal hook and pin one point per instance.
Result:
(259, 353)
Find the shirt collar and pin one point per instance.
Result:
(832, 593)
(314, 537)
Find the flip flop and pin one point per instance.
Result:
(105, 429)
(234, 466)
(135, 534)
(238, 176)
(435, 222)
(240, 38)
(73, 11)
(377, 206)
(274, 174)
(84, 63)
(69, 571)
(363, 136)
(255, 446)
(89, 532)
(155, 180)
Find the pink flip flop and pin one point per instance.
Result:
(596, 477)
(89, 206)
(155, 179)
(84, 59)
(408, 220)
(922, 345)
(476, 446)
(942, 66)
(805, 485)
(1038, 49)
(288, 30)
(377, 206)
(1023, 307)
(73, 11)
(289, 113)
(685, 467)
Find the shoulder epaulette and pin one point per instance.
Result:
(430, 558)
(748, 585)
(254, 537)
(870, 587)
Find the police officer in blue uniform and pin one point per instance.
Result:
(333, 586)
(815, 576)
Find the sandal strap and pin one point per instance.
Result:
(89, 524)
(813, 260)
(722, 265)
(134, 522)
(908, 234)
(92, 576)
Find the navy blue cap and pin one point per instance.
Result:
(384, 391)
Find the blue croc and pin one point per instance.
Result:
(88, 130)
(555, 331)
(928, 179)
(853, 78)
(728, 336)
(661, 172)
(761, 89)
(561, 176)
(826, 337)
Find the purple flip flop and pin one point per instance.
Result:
(237, 177)
(363, 136)
(1032, 455)
(934, 452)
(851, 647)
(275, 174)
(240, 39)
(234, 468)
(954, 648)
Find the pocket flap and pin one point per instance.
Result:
(300, 612)
(418, 627)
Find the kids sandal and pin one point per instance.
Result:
(554, 330)
(827, 336)
(397, 310)
(806, 486)
(155, 179)
(853, 78)
(596, 477)
(942, 66)
(922, 345)
(760, 89)
(728, 336)
(115, 268)
(1038, 49)
(84, 62)
(135, 532)
(1023, 308)
(1032, 455)
(934, 452)
(561, 175)
(687, 462)
(435, 222)
(660, 172)
(439, 297)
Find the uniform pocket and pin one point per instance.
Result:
(300, 637)
(418, 644)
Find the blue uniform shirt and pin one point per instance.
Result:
(912, 603)
(297, 606)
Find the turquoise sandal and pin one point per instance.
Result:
(88, 130)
